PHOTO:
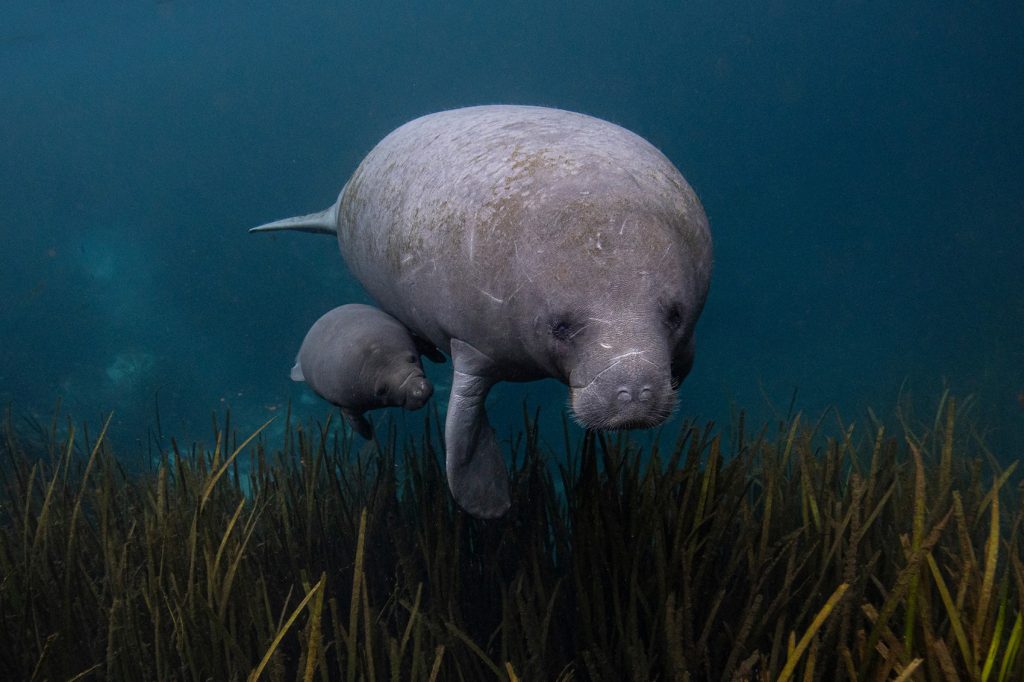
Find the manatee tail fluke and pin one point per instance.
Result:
(324, 222)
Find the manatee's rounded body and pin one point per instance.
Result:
(470, 223)
(526, 243)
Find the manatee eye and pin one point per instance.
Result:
(381, 389)
(410, 358)
(562, 331)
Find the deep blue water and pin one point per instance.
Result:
(862, 165)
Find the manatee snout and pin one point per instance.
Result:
(417, 391)
(631, 392)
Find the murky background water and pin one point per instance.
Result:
(862, 165)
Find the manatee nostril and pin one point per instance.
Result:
(626, 395)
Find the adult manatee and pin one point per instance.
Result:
(527, 243)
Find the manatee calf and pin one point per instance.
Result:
(360, 358)
(527, 243)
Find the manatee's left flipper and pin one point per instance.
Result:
(358, 422)
(476, 469)
(429, 350)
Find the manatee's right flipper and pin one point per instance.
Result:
(358, 422)
(476, 469)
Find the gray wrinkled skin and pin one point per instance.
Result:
(359, 358)
(528, 243)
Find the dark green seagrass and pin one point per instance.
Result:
(790, 554)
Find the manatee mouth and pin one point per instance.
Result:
(415, 391)
(615, 422)
(612, 411)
